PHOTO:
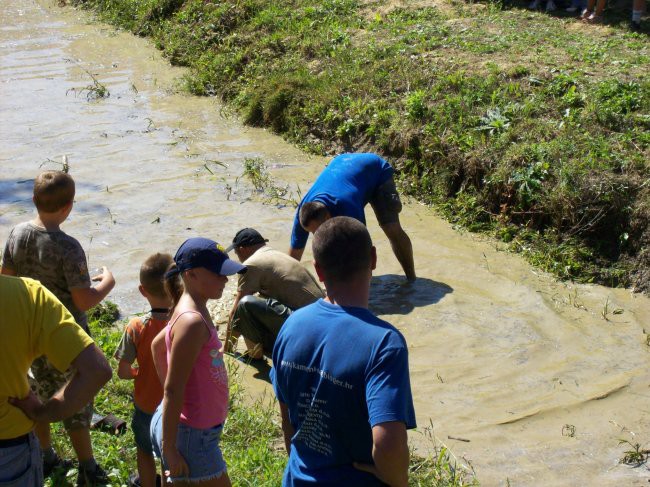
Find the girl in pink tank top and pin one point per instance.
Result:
(187, 426)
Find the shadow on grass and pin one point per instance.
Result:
(390, 294)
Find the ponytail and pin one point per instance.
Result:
(173, 285)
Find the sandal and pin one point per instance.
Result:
(595, 19)
(109, 423)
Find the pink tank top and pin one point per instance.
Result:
(205, 403)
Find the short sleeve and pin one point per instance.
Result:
(126, 349)
(7, 254)
(60, 339)
(388, 389)
(75, 268)
(299, 235)
(249, 281)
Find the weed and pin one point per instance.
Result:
(604, 313)
(257, 173)
(569, 430)
(104, 314)
(635, 456)
(94, 91)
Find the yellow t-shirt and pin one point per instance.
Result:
(33, 322)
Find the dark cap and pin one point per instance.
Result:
(245, 238)
(203, 252)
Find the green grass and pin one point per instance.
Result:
(523, 125)
(252, 441)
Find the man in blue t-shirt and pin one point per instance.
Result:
(341, 375)
(344, 188)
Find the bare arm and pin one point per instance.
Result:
(189, 335)
(228, 345)
(296, 253)
(91, 373)
(7, 271)
(126, 371)
(159, 354)
(390, 454)
(86, 298)
(287, 428)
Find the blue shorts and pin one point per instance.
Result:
(199, 448)
(21, 465)
(141, 426)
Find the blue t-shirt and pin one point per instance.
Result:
(345, 186)
(340, 371)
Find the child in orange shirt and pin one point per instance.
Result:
(136, 345)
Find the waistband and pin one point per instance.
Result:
(19, 440)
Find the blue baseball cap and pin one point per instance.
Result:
(203, 252)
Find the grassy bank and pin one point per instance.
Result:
(252, 439)
(533, 128)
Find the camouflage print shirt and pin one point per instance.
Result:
(54, 258)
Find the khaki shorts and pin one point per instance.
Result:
(47, 380)
(386, 203)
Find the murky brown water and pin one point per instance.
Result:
(501, 355)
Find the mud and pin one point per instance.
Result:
(543, 378)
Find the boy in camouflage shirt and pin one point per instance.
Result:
(40, 250)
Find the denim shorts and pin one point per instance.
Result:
(21, 465)
(141, 426)
(199, 448)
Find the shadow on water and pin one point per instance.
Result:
(18, 193)
(262, 367)
(390, 294)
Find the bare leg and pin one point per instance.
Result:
(42, 431)
(80, 439)
(146, 469)
(402, 247)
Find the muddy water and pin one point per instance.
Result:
(524, 378)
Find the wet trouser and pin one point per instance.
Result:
(259, 320)
(20, 462)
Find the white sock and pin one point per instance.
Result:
(636, 16)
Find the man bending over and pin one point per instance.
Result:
(344, 188)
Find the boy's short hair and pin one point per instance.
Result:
(312, 211)
(342, 248)
(152, 273)
(53, 190)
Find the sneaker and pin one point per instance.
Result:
(550, 6)
(635, 26)
(572, 9)
(534, 5)
(87, 478)
(61, 464)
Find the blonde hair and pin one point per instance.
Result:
(53, 190)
